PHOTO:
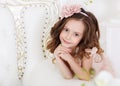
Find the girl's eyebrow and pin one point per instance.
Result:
(65, 27)
(78, 32)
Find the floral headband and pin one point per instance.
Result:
(70, 10)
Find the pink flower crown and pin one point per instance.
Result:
(69, 10)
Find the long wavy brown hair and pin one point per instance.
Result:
(90, 38)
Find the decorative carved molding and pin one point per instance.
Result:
(21, 42)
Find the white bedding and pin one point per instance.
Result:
(47, 74)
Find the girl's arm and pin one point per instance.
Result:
(62, 65)
(81, 72)
(64, 68)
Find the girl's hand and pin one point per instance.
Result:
(66, 56)
(59, 50)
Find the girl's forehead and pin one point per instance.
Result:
(73, 21)
(74, 24)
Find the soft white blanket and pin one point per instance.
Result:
(47, 74)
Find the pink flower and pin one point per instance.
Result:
(70, 10)
(93, 53)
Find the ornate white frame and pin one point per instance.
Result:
(20, 31)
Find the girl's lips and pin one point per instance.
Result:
(66, 42)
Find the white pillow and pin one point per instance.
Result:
(37, 20)
(8, 60)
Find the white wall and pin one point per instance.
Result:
(113, 45)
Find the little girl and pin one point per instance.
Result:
(75, 44)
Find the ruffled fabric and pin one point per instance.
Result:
(100, 62)
(69, 10)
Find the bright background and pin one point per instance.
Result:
(106, 11)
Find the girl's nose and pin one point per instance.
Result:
(68, 36)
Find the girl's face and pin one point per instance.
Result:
(72, 33)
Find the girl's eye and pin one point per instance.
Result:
(76, 34)
(66, 29)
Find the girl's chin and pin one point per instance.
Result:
(66, 46)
